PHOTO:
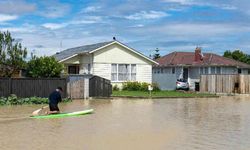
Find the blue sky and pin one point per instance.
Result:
(48, 26)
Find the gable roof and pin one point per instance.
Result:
(72, 52)
(188, 59)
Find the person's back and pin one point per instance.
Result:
(54, 99)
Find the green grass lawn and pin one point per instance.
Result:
(159, 94)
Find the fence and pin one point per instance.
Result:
(99, 87)
(28, 87)
(78, 86)
(74, 86)
(225, 84)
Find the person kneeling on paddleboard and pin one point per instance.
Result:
(54, 99)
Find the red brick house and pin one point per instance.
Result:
(190, 65)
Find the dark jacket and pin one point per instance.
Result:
(55, 98)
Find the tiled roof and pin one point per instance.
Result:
(188, 59)
(77, 50)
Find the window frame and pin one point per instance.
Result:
(129, 72)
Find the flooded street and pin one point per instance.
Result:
(160, 124)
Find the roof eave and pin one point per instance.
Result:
(60, 61)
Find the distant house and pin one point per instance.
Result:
(190, 65)
(111, 60)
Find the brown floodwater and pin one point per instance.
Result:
(160, 124)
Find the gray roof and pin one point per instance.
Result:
(77, 50)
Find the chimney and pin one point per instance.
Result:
(197, 54)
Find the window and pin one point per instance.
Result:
(114, 72)
(212, 70)
(161, 70)
(201, 70)
(248, 71)
(123, 72)
(239, 71)
(218, 70)
(206, 70)
(133, 72)
(89, 68)
(73, 69)
(173, 70)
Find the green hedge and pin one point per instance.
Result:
(138, 86)
(14, 100)
(115, 88)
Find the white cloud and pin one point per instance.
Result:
(87, 20)
(147, 15)
(198, 31)
(54, 26)
(22, 29)
(5, 17)
(183, 2)
(229, 7)
(137, 26)
(84, 20)
(91, 9)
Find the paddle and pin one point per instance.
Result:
(35, 113)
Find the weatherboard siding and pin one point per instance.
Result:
(101, 60)
(73, 60)
(117, 54)
(103, 70)
(144, 73)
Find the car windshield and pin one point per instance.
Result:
(182, 80)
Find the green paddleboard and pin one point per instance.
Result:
(77, 113)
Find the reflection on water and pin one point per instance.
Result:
(164, 124)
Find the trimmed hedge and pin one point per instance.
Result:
(14, 100)
(138, 86)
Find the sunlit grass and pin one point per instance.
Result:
(160, 94)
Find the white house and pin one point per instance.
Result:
(111, 60)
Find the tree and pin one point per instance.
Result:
(156, 54)
(12, 55)
(46, 66)
(237, 55)
(228, 54)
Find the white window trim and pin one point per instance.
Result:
(117, 72)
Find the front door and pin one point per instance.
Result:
(185, 73)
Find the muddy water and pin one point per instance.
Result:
(166, 124)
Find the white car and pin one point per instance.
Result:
(182, 84)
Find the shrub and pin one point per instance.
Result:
(14, 100)
(131, 86)
(46, 66)
(3, 101)
(144, 86)
(138, 86)
(156, 87)
(115, 88)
